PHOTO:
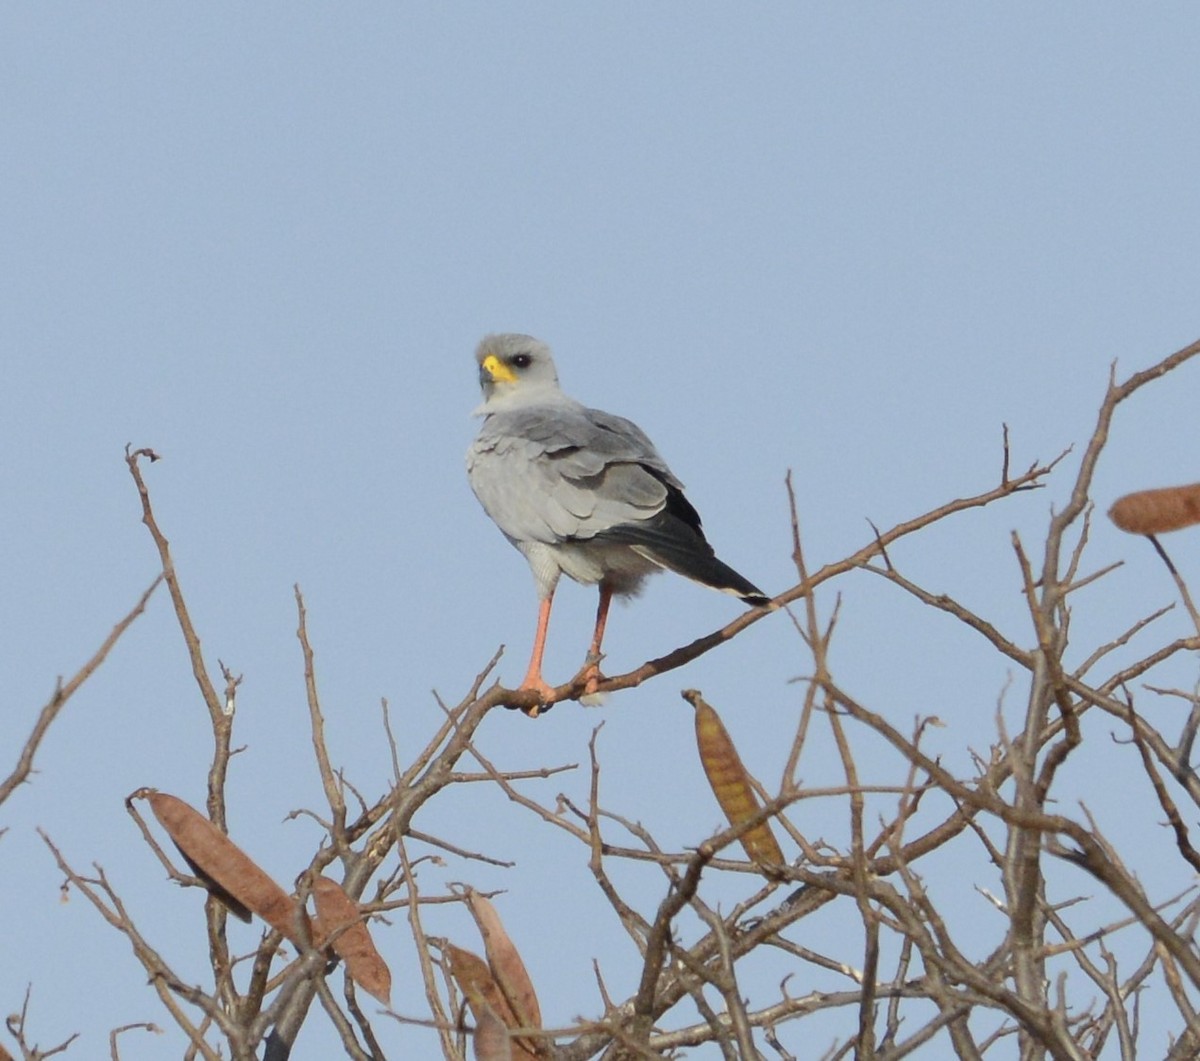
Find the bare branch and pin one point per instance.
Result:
(64, 691)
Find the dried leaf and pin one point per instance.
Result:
(231, 875)
(339, 916)
(1157, 511)
(491, 1039)
(731, 784)
(506, 965)
(483, 994)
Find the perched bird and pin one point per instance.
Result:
(581, 492)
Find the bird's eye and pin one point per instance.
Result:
(522, 361)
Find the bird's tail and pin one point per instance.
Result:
(678, 546)
(719, 575)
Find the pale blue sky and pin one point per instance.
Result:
(263, 239)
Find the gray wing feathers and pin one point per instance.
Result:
(556, 473)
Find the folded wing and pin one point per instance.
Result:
(561, 473)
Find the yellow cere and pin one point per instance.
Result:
(498, 370)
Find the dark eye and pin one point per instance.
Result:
(522, 361)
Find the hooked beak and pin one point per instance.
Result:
(493, 370)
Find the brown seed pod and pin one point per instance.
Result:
(339, 917)
(731, 784)
(483, 994)
(491, 1039)
(1157, 511)
(229, 873)
(505, 962)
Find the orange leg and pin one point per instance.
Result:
(591, 669)
(533, 676)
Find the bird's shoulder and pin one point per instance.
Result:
(548, 425)
(559, 429)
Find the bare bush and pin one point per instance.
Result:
(1059, 972)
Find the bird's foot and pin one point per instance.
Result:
(591, 676)
(534, 683)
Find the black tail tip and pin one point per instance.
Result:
(755, 600)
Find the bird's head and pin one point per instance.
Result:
(514, 365)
